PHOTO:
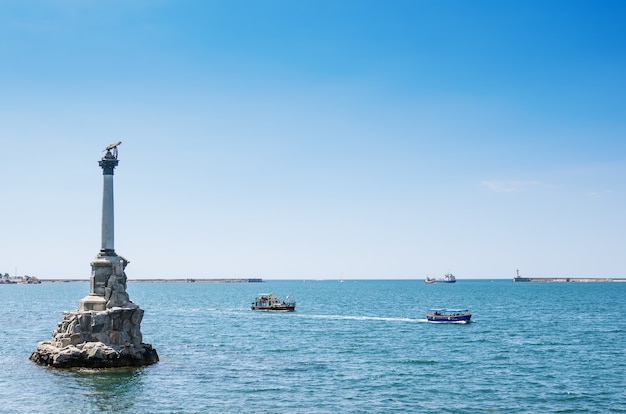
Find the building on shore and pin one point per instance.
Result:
(6, 279)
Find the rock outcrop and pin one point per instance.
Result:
(105, 331)
(93, 355)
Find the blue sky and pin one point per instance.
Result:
(316, 139)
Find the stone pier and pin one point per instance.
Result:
(105, 330)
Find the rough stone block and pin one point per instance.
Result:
(114, 337)
(85, 321)
(137, 316)
(76, 338)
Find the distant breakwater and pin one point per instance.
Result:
(188, 280)
(568, 279)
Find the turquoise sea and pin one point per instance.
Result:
(357, 346)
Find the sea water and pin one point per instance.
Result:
(358, 346)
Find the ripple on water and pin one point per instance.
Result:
(358, 346)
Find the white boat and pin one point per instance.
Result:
(269, 302)
(448, 278)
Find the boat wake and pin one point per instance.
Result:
(362, 318)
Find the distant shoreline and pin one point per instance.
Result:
(259, 280)
(186, 280)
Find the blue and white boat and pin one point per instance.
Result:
(448, 316)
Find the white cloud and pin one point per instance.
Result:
(598, 194)
(501, 186)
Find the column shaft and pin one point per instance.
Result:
(107, 214)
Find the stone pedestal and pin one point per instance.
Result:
(107, 284)
(92, 303)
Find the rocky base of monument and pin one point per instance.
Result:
(97, 339)
(93, 355)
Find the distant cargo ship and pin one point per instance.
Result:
(449, 278)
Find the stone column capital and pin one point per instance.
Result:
(108, 163)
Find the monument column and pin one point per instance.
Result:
(105, 331)
(108, 164)
(107, 263)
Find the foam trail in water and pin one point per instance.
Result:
(362, 318)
